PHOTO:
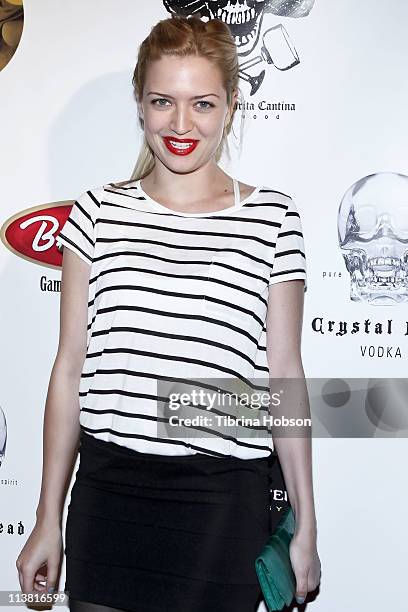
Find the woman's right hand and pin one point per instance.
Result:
(41, 557)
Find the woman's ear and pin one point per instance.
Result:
(230, 112)
(234, 97)
(140, 109)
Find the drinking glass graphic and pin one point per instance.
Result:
(3, 435)
(276, 49)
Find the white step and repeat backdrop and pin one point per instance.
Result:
(325, 94)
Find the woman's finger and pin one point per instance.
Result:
(301, 586)
(28, 579)
(20, 579)
(40, 582)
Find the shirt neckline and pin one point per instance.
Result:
(223, 211)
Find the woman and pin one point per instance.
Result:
(164, 287)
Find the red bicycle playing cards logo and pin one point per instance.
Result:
(32, 233)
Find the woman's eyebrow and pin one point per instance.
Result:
(157, 93)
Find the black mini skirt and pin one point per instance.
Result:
(165, 533)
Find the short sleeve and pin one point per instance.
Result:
(290, 257)
(78, 232)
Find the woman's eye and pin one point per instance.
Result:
(205, 102)
(159, 100)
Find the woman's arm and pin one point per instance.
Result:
(61, 416)
(293, 446)
(61, 428)
(283, 347)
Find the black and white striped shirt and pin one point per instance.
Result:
(177, 297)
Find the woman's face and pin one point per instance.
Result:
(184, 107)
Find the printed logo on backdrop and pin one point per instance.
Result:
(11, 27)
(6, 529)
(372, 231)
(32, 233)
(262, 47)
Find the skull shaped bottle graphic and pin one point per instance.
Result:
(373, 238)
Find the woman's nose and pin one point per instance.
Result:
(181, 120)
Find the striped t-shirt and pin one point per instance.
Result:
(175, 298)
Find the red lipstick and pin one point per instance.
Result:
(180, 146)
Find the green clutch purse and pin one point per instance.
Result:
(273, 565)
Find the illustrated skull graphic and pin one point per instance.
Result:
(373, 238)
(244, 18)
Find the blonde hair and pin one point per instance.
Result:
(187, 36)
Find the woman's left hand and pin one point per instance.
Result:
(305, 564)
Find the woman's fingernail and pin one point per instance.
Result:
(51, 589)
(300, 600)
